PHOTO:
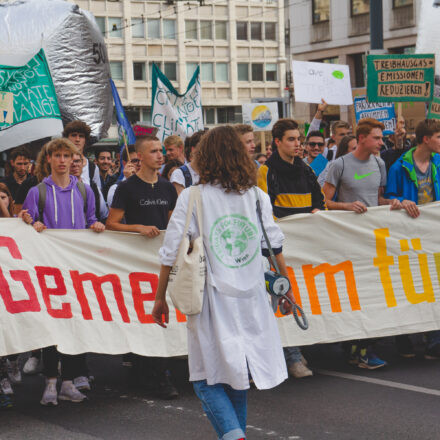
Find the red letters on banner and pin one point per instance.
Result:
(140, 297)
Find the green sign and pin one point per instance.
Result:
(394, 78)
(27, 92)
(434, 109)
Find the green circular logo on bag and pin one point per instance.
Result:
(234, 240)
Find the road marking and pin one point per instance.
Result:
(385, 383)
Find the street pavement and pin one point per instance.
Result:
(401, 401)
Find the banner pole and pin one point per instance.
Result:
(263, 141)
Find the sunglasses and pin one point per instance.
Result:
(315, 144)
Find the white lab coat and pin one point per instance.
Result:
(236, 329)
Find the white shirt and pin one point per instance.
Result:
(236, 328)
(85, 176)
(178, 176)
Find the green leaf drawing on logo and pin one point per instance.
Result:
(338, 74)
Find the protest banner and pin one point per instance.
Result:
(260, 116)
(28, 103)
(383, 112)
(174, 113)
(316, 81)
(143, 130)
(356, 276)
(394, 78)
(434, 109)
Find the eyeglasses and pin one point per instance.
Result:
(77, 162)
(316, 144)
(134, 160)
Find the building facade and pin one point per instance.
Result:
(238, 44)
(338, 31)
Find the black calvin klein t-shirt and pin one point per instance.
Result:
(145, 203)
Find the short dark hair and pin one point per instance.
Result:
(100, 150)
(21, 150)
(77, 127)
(281, 126)
(145, 138)
(314, 133)
(191, 142)
(342, 149)
(426, 128)
(170, 165)
(131, 149)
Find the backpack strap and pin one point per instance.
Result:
(92, 168)
(186, 175)
(82, 189)
(95, 190)
(335, 197)
(42, 194)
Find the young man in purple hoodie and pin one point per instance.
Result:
(65, 204)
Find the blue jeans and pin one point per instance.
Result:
(432, 338)
(225, 407)
(292, 355)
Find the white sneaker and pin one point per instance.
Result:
(299, 370)
(32, 366)
(81, 383)
(69, 392)
(5, 386)
(14, 372)
(50, 393)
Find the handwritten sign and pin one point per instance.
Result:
(400, 77)
(382, 111)
(316, 81)
(434, 109)
(6, 107)
(260, 116)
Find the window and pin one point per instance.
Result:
(137, 28)
(139, 71)
(190, 69)
(257, 72)
(146, 115)
(359, 7)
(270, 30)
(207, 73)
(116, 70)
(225, 115)
(220, 30)
(191, 29)
(154, 28)
(169, 29)
(271, 72)
(221, 72)
(243, 71)
(114, 27)
(100, 21)
(209, 115)
(150, 68)
(206, 30)
(256, 33)
(170, 70)
(321, 11)
(359, 69)
(242, 30)
(402, 3)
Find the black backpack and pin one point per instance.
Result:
(186, 175)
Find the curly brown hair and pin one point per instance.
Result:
(42, 166)
(221, 159)
(4, 189)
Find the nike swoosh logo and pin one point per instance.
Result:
(357, 177)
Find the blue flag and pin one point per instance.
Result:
(125, 130)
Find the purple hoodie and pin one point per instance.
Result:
(64, 207)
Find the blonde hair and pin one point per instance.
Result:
(173, 140)
(61, 144)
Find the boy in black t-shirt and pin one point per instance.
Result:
(146, 201)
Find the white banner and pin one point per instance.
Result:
(261, 116)
(356, 276)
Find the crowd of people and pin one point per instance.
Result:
(64, 189)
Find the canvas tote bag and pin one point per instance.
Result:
(186, 282)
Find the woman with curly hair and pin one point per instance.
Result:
(235, 334)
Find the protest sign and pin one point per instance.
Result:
(88, 292)
(400, 77)
(318, 164)
(260, 116)
(28, 103)
(316, 81)
(434, 109)
(173, 113)
(383, 112)
(143, 130)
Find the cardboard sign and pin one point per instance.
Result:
(434, 109)
(381, 111)
(394, 78)
(316, 81)
(260, 116)
(6, 107)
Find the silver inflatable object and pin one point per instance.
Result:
(75, 51)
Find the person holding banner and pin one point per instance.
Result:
(236, 332)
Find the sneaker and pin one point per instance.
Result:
(353, 355)
(5, 386)
(405, 347)
(14, 372)
(81, 383)
(69, 392)
(371, 362)
(50, 393)
(433, 352)
(165, 389)
(299, 370)
(5, 401)
(32, 366)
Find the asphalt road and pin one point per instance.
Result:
(401, 401)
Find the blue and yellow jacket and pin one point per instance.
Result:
(292, 188)
(402, 178)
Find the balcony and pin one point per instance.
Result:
(360, 25)
(402, 17)
(321, 32)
